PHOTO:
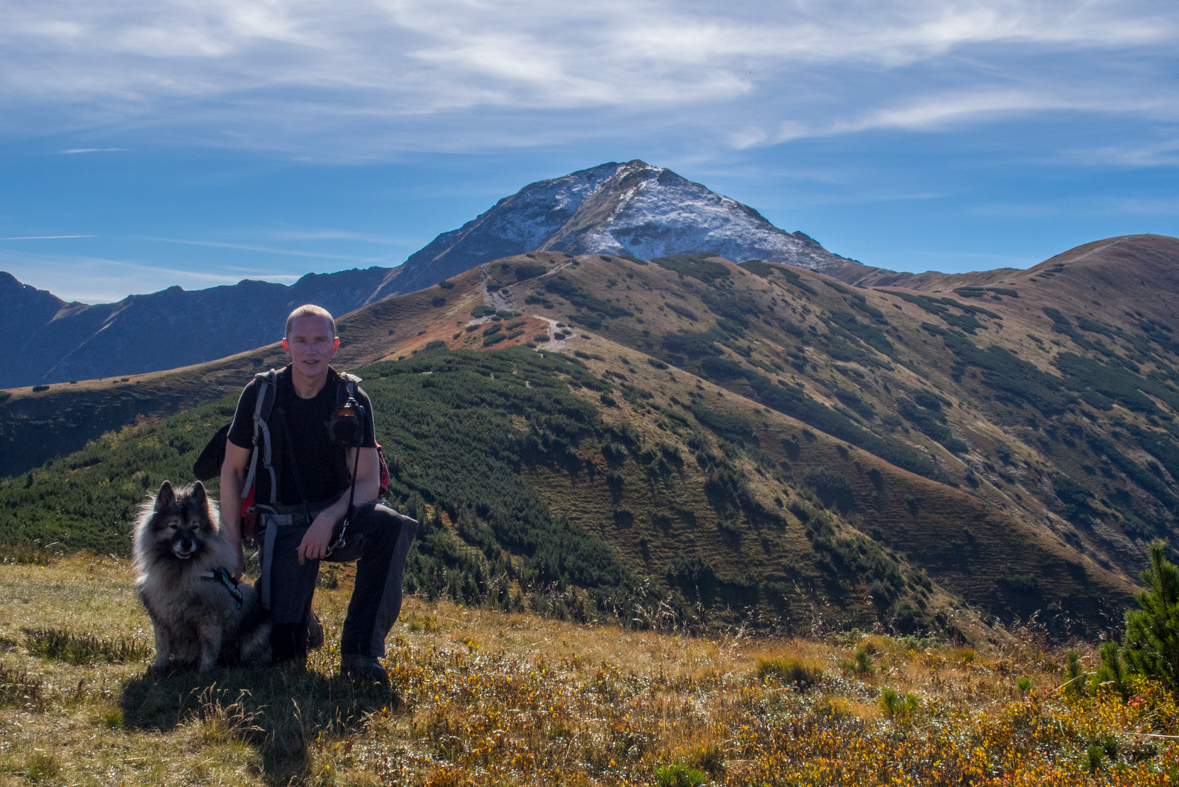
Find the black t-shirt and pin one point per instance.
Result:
(320, 463)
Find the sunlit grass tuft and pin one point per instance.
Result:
(42, 767)
(679, 775)
(226, 722)
(85, 648)
(18, 688)
(26, 554)
(789, 671)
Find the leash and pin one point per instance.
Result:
(223, 576)
(340, 541)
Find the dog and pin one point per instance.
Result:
(183, 559)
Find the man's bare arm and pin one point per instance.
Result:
(233, 478)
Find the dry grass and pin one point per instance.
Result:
(482, 697)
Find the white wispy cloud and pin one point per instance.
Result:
(48, 237)
(1137, 153)
(1093, 206)
(929, 112)
(330, 234)
(74, 151)
(271, 250)
(375, 76)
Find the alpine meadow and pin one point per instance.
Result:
(683, 521)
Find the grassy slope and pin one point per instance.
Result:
(487, 698)
(1013, 535)
(506, 451)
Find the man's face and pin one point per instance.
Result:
(311, 345)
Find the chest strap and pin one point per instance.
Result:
(223, 576)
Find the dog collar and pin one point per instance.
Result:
(222, 575)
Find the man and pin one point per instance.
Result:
(312, 476)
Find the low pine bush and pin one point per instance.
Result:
(786, 670)
(678, 775)
(897, 705)
(1152, 632)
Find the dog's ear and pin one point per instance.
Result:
(197, 504)
(165, 497)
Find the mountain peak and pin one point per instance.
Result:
(633, 208)
(12, 286)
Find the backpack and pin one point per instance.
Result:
(208, 464)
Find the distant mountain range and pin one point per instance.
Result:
(617, 209)
(58, 341)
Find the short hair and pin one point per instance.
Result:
(310, 310)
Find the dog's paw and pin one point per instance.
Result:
(162, 669)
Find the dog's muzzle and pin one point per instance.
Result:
(183, 548)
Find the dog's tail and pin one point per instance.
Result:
(255, 645)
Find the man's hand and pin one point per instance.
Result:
(315, 540)
(233, 478)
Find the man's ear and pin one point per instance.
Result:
(336, 344)
(286, 348)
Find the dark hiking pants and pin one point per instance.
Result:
(377, 537)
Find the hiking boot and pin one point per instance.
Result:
(314, 633)
(363, 669)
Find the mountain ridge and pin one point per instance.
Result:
(171, 328)
(757, 438)
(610, 209)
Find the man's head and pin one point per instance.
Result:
(311, 341)
(310, 310)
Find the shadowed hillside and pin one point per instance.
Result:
(53, 342)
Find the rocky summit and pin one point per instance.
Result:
(618, 209)
(621, 209)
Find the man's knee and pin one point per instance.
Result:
(378, 523)
(377, 514)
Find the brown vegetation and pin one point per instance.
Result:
(487, 698)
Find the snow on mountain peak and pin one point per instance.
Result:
(631, 208)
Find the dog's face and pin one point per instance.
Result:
(181, 523)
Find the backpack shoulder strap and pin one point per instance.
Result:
(348, 385)
(267, 386)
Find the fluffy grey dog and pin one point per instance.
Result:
(183, 562)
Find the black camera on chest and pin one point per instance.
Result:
(344, 427)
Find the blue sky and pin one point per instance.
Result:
(147, 144)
